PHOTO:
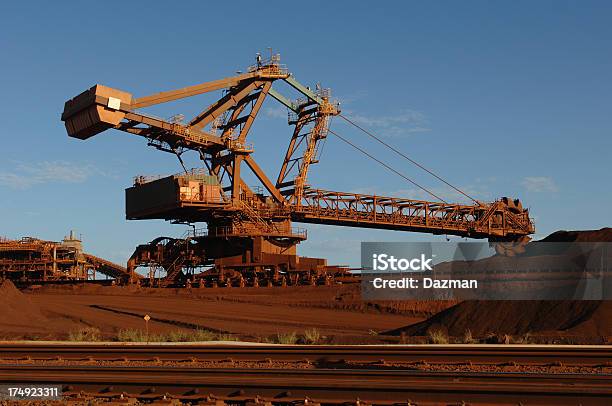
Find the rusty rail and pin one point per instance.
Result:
(331, 380)
(487, 353)
(249, 386)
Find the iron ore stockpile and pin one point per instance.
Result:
(583, 321)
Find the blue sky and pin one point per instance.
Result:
(500, 98)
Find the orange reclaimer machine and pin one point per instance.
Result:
(249, 233)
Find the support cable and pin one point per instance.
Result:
(178, 155)
(386, 166)
(408, 158)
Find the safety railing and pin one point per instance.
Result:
(270, 65)
(142, 179)
(238, 146)
(194, 233)
(246, 230)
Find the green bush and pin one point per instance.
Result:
(312, 336)
(130, 335)
(135, 335)
(467, 337)
(226, 337)
(437, 337)
(155, 338)
(202, 335)
(178, 336)
(84, 334)
(286, 338)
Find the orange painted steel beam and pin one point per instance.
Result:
(370, 211)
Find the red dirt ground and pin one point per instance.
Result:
(255, 313)
(249, 313)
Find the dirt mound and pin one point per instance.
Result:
(601, 235)
(518, 317)
(585, 318)
(17, 310)
(599, 323)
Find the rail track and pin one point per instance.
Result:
(332, 378)
(490, 353)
